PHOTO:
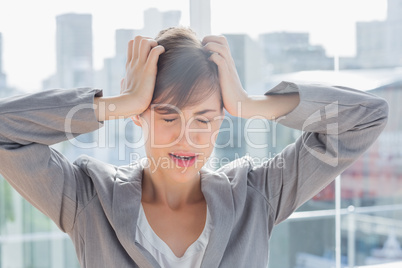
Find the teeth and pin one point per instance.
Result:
(183, 157)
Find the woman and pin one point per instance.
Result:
(180, 214)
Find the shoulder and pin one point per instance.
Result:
(106, 180)
(233, 171)
(96, 168)
(238, 166)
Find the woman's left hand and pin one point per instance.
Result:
(235, 99)
(232, 90)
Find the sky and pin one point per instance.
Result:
(29, 27)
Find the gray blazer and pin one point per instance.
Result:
(97, 204)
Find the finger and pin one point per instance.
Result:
(220, 39)
(122, 85)
(137, 41)
(129, 52)
(136, 46)
(220, 61)
(218, 48)
(145, 47)
(154, 56)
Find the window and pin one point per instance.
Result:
(354, 222)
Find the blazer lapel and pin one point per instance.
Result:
(219, 196)
(120, 191)
(125, 208)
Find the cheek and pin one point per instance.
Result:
(209, 137)
(161, 133)
(215, 131)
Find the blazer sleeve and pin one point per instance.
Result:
(30, 123)
(338, 124)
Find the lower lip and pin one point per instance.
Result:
(182, 162)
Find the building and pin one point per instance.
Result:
(114, 68)
(275, 45)
(74, 50)
(286, 52)
(200, 17)
(155, 20)
(5, 90)
(170, 18)
(247, 56)
(394, 37)
(371, 44)
(3, 77)
(379, 43)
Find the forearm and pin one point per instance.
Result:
(268, 106)
(344, 108)
(121, 106)
(47, 117)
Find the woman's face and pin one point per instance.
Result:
(178, 142)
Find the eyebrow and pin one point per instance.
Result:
(204, 111)
(167, 110)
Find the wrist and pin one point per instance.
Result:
(270, 107)
(236, 101)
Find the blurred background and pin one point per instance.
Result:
(354, 222)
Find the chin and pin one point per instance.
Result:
(184, 175)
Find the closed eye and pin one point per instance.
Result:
(202, 121)
(199, 120)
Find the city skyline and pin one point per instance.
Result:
(19, 61)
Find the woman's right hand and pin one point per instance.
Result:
(141, 69)
(137, 87)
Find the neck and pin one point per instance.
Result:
(159, 189)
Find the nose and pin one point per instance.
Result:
(190, 137)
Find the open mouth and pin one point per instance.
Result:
(183, 157)
(182, 160)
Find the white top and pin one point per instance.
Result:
(162, 252)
